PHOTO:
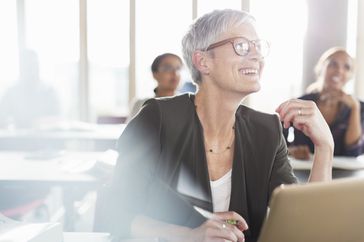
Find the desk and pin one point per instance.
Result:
(86, 237)
(342, 167)
(25, 167)
(98, 237)
(86, 137)
(66, 170)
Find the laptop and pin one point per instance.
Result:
(316, 212)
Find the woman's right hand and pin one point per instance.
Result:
(216, 229)
(306, 117)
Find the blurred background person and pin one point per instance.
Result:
(30, 101)
(166, 71)
(343, 112)
(27, 104)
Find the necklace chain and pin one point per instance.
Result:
(228, 147)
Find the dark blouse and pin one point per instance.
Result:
(338, 129)
(162, 169)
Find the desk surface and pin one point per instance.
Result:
(90, 132)
(91, 137)
(343, 167)
(340, 162)
(86, 237)
(97, 237)
(64, 167)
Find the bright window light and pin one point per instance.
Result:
(205, 6)
(8, 44)
(283, 23)
(108, 52)
(351, 36)
(352, 26)
(160, 26)
(52, 32)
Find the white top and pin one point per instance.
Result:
(221, 190)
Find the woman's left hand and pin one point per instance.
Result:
(306, 117)
(336, 96)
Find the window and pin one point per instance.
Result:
(285, 30)
(352, 26)
(108, 52)
(52, 32)
(351, 36)
(51, 28)
(8, 45)
(205, 6)
(160, 27)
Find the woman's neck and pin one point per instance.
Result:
(216, 110)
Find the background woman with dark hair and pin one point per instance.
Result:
(166, 71)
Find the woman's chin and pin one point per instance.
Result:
(250, 88)
(257, 89)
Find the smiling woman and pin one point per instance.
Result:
(242, 47)
(343, 112)
(208, 150)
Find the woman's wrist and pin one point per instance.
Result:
(325, 149)
(322, 166)
(324, 156)
(326, 145)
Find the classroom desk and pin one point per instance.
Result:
(88, 137)
(86, 237)
(68, 170)
(343, 167)
(98, 237)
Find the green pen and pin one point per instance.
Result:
(232, 221)
(209, 215)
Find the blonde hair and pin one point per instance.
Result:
(322, 65)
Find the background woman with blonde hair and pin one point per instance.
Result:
(342, 111)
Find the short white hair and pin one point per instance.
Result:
(205, 31)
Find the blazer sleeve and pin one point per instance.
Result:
(282, 172)
(136, 187)
(139, 147)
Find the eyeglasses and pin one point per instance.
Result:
(242, 46)
(169, 69)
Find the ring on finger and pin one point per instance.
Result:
(300, 112)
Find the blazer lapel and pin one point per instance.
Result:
(238, 200)
(193, 179)
(200, 163)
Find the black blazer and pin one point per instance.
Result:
(162, 169)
